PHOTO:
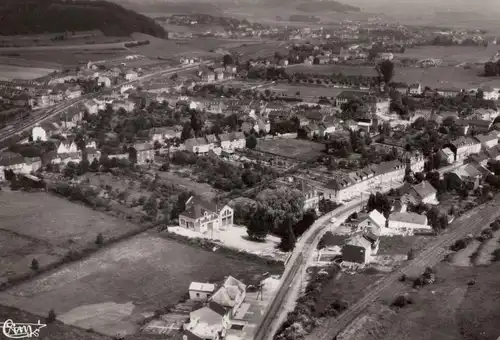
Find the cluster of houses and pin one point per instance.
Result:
(49, 90)
(223, 143)
(483, 146)
(223, 310)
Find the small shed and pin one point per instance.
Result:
(199, 291)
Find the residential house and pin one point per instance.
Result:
(487, 140)
(311, 196)
(271, 107)
(230, 295)
(131, 75)
(199, 291)
(22, 100)
(91, 106)
(407, 223)
(345, 96)
(72, 117)
(382, 105)
(67, 147)
(360, 249)
(494, 152)
(262, 125)
(32, 163)
(326, 129)
(38, 134)
(127, 105)
(475, 125)
(142, 153)
(197, 145)
(231, 68)
(208, 323)
(481, 158)
(489, 93)
(238, 140)
(208, 76)
(215, 107)
(447, 155)
(463, 147)
(73, 92)
(469, 175)
(423, 192)
(205, 217)
(161, 134)
(448, 92)
(415, 89)
(225, 141)
(311, 130)
(92, 154)
(386, 56)
(375, 223)
(104, 81)
(485, 114)
(14, 162)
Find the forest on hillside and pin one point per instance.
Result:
(54, 16)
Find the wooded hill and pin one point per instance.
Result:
(54, 16)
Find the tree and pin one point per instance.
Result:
(259, 227)
(251, 142)
(99, 240)
(35, 265)
(151, 206)
(282, 204)
(51, 317)
(288, 238)
(490, 69)
(187, 132)
(480, 94)
(227, 60)
(385, 70)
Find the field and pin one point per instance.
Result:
(445, 76)
(119, 283)
(10, 72)
(46, 227)
(451, 54)
(298, 149)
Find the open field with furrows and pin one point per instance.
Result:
(66, 58)
(451, 54)
(46, 227)
(11, 72)
(109, 291)
(298, 149)
(449, 309)
(446, 76)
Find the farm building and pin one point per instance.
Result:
(201, 291)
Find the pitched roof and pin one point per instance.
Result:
(202, 287)
(408, 217)
(377, 218)
(143, 147)
(487, 137)
(424, 189)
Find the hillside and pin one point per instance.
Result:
(53, 16)
(326, 6)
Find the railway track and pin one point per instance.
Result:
(429, 257)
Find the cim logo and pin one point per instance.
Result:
(14, 330)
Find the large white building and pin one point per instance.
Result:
(38, 134)
(406, 223)
(205, 217)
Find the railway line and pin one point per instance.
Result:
(427, 258)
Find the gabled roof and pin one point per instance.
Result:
(143, 147)
(202, 287)
(487, 137)
(467, 171)
(377, 218)
(424, 189)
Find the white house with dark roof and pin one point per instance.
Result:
(311, 196)
(463, 147)
(205, 217)
(199, 291)
(66, 147)
(197, 145)
(406, 223)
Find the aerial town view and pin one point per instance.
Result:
(249, 170)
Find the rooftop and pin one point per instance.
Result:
(408, 217)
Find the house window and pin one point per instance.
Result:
(197, 294)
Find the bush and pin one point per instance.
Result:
(51, 317)
(35, 265)
(401, 301)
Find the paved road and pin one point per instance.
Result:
(473, 222)
(48, 113)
